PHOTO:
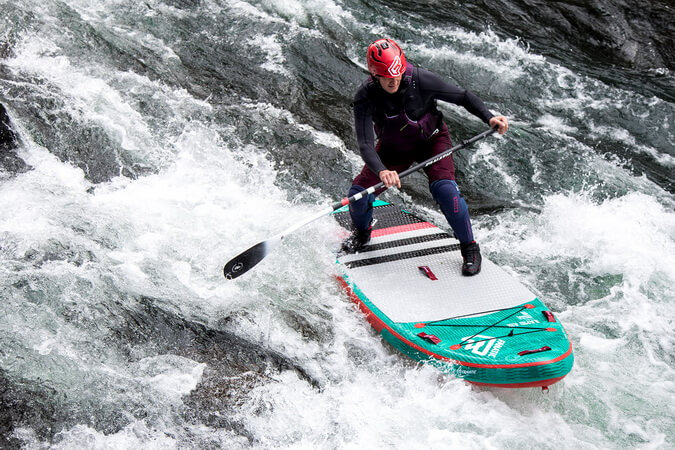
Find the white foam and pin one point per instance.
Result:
(507, 72)
(91, 96)
(622, 135)
(275, 60)
(576, 226)
(175, 376)
(556, 124)
(301, 11)
(45, 347)
(135, 435)
(610, 266)
(599, 344)
(393, 406)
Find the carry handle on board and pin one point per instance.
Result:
(246, 260)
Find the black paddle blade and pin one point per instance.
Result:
(244, 262)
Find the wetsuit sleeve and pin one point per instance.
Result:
(365, 134)
(432, 85)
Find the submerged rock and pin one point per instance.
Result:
(7, 135)
(9, 141)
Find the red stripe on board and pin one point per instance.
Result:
(541, 383)
(378, 324)
(374, 321)
(401, 229)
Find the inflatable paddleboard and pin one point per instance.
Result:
(487, 329)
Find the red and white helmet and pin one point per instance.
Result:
(386, 59)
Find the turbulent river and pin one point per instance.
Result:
(149, 142)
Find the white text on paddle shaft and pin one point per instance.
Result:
(484, 345)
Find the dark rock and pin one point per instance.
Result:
(234, 365)
(638, 34)
(8, 144)
(20, 404)
(7, 135)
(626, 43)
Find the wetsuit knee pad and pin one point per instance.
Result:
(454, 208)
(447, 195)
(361, 211)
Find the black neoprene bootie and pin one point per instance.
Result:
(472, 259)
(357, 240)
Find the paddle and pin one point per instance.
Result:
(245, 261)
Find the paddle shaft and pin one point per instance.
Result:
(246, 260)
(415, 168)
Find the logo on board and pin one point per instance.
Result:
(484, 345)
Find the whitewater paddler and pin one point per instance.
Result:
(398, 104)
(397, 124)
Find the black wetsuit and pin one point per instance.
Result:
(372, 105)
(409, 128)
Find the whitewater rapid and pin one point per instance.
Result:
(164, 138)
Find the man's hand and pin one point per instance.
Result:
(390, 178)
(501, 122)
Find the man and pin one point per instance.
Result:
(397, 103)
